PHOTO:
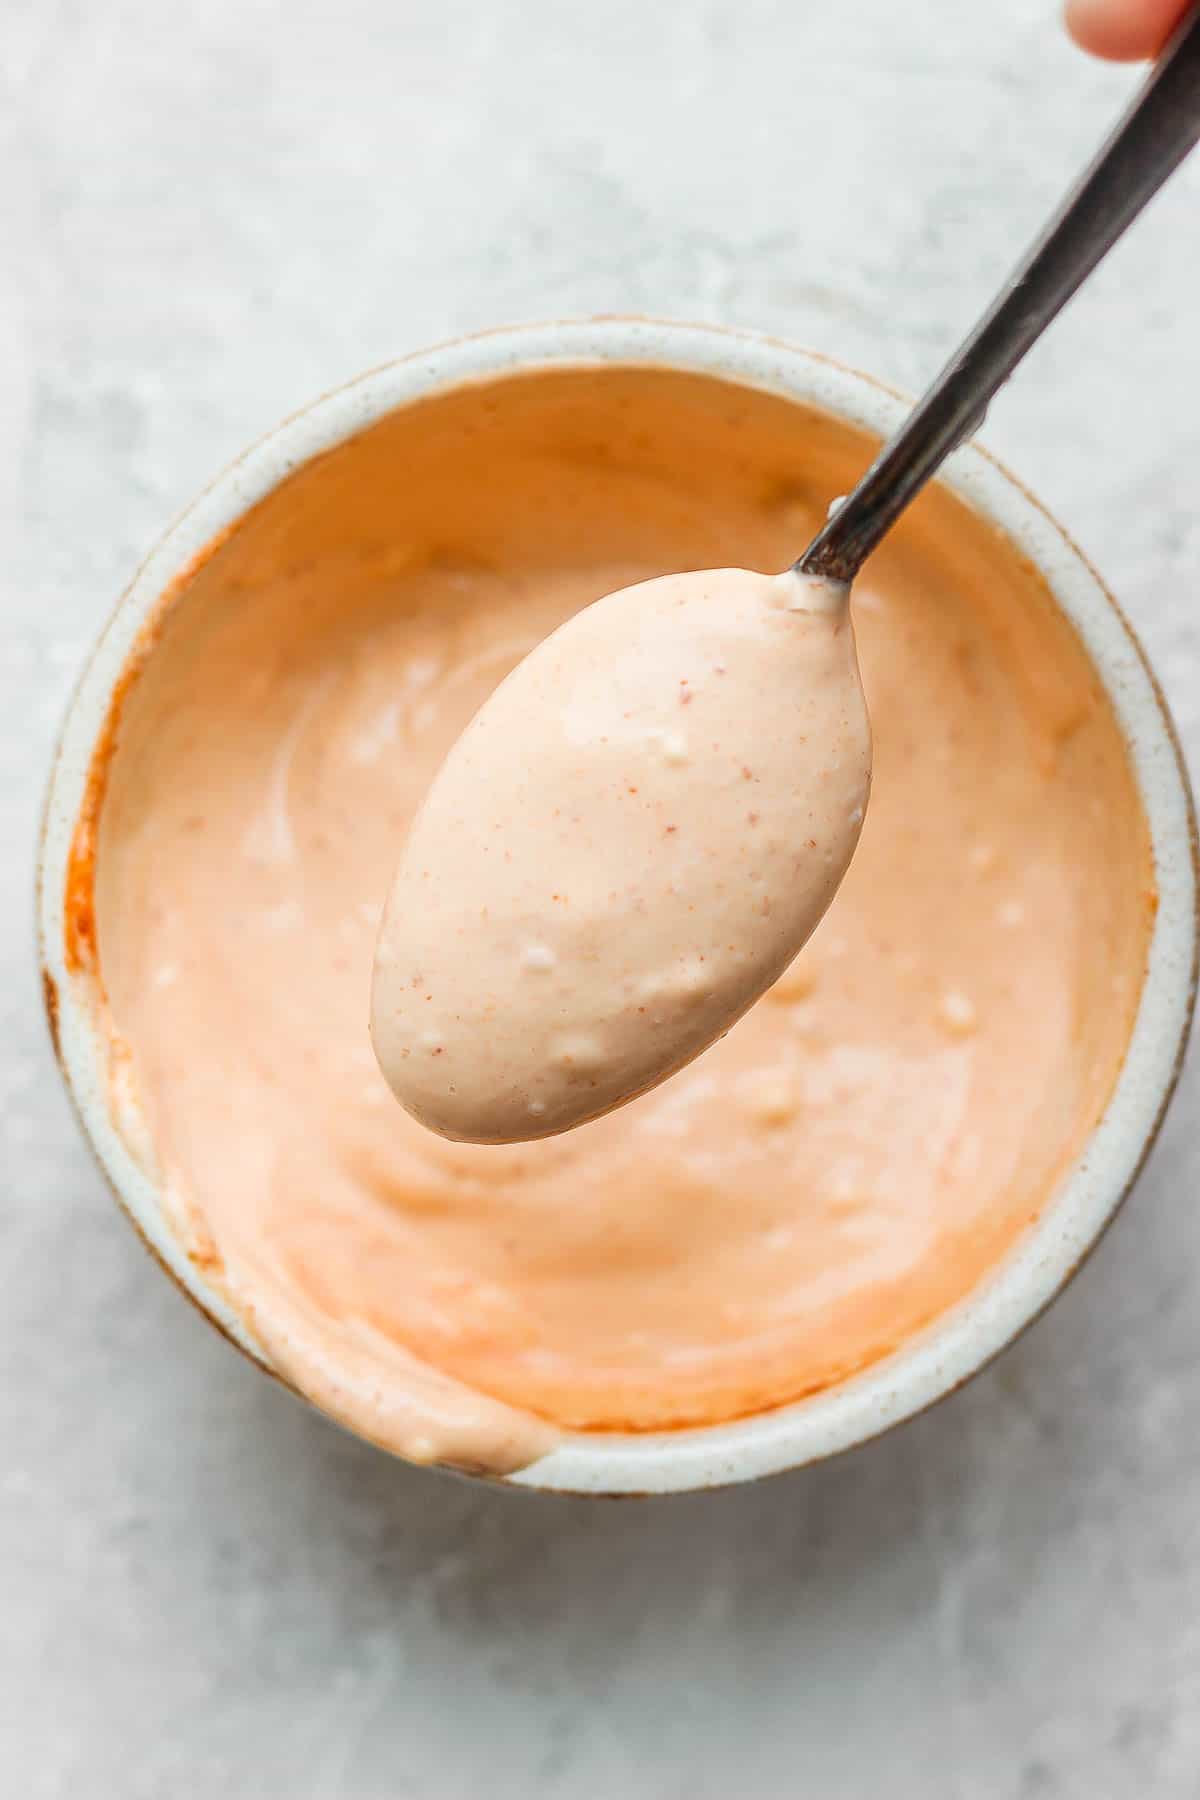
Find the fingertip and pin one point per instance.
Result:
(1122, 30)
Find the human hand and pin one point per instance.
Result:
(1123, 30)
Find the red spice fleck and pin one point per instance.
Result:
(753, 818)
(208, 1257)
(747, 772)
(667, 830)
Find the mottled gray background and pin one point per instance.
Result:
(209, 214)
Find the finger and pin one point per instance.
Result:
(1123, 30)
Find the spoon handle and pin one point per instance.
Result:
(1150, 141)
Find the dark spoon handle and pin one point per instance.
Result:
(1152, 139)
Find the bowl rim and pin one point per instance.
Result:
(961, 1341)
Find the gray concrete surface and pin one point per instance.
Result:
(210, 213)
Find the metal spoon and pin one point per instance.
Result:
(1152, 139)
(467, 1025)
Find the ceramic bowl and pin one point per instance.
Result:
(959, 1344)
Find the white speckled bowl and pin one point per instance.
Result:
(963, 1340)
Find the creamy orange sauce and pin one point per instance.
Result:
(627, 846)
(848, 1163)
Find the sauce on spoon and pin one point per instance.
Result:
(627, 846)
